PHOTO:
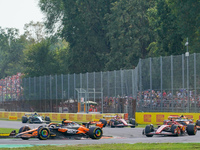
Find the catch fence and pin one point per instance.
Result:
(160, 84)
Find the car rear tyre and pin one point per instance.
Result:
(47, 118)
(104, 122)
(147, 130)
(112, 124)
(198, 122)
(176, 130)
(191, 129)
(23, 129)
(30, 120)
(95, 133)
(43, 133)
(132, 121)
(24, 119)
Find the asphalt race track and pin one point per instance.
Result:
(118, 135)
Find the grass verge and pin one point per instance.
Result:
(137, 146)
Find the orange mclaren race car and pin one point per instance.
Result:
(184, 120)
(67, 129)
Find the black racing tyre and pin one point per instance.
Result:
(104, 122)
(198, 122)
(176, 130)
(47, 118)
(23, 129)
(24, 119)
(30, 120)
(132, 121)
(191, 129)
(95, 133)
(112, 124)
(147, 130)
(43, 133)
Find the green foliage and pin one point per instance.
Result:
(45, 58)
(100, 35)
(39, 60)
(11, 47)
(129, 33)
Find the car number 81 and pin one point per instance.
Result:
(71, 131)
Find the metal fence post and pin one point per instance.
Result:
(74, 86)
(29, 84)
(62, 91)
(161, 82)
(101, 96)
(94, 85)
(80, 90)
(50, 93)
(195, 84)
(150, 66)
(140, 83)
(40, 91)
(108, 81)
(172, 83)
(45, 92)
(115, 78)
(87, 93)
(121, 73)
(183, 82)
(68, 85)
(56, 93)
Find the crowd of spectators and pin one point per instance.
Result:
(10, 88)
(179, 99)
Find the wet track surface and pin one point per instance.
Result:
(118, 135)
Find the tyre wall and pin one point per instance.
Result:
(158, 117)
(79, 117)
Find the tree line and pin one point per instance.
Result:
(101, 35)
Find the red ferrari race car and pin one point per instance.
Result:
(117, 121)
(67, 129)
(170, 128)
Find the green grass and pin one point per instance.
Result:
(138, 146)
(7, 130)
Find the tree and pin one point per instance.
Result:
(173, 22)
(187, 14)
(35, 32)
(129, 33)
(84, 27)
(40, 60)
(11, 47)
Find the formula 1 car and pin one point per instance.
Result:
(181, 119)
(35, 118)
(170, 128)
(120, 122)
(67, 129)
